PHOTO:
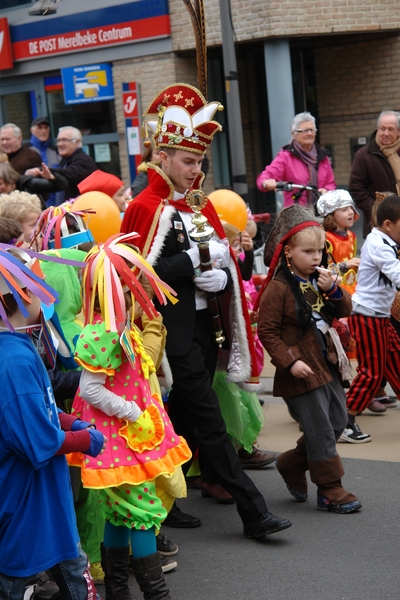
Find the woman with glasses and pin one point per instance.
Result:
(303, 161)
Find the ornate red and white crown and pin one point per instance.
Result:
(183, 119)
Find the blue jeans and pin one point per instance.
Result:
(72, 577)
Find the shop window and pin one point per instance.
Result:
(304, 84)
(17, 108)
(92, 118)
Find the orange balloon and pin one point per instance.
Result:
(230, 207)
(107, 219)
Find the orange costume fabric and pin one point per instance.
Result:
(343, 248)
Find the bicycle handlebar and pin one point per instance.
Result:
(288, 186)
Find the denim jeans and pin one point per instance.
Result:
(72, 577)
(17, 588)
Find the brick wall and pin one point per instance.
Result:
(355, 82)
(262, 18)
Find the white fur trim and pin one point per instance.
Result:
(239, 367)
(164, 224)
(259, 388)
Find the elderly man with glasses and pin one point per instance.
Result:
(75, 164)
(376, 166)
(303, 162)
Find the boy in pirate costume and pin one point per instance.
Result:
(183, 130)
(298, 303)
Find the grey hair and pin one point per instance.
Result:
(389, 113)
(77, 135)
(300, 118)
(16, 130)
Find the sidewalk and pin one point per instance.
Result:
(281, 431)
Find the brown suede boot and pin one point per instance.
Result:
(327, 474)
(150, 577)
(115, 564)
(292, 465)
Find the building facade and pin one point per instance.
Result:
(337, 59)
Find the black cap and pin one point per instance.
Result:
(40, 120)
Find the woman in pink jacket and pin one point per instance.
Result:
(302, 161)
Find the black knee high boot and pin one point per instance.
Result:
(150, 577)
(115, 564)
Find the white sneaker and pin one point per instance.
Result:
(354, 435)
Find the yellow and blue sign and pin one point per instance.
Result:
(89, 83)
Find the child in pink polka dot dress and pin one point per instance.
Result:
(115, 395)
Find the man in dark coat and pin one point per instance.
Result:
(75, 164)
(376, 166)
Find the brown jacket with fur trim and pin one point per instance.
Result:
(285, 341)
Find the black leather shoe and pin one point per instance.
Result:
(265, 524)
(177, 518)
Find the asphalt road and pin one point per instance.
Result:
(323, 556)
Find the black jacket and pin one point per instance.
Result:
(75, 168)
(41, 186)
(176, 268)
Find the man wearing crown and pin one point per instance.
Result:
(181, 120)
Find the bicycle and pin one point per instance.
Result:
(289, 186)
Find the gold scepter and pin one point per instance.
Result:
(202, 233)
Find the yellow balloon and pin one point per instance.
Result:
(107, 219)
(230, 207)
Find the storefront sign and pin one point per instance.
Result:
(89, 83)
(121, 24)
(133, 125)
(6, 61)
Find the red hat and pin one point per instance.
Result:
(183, 119)
(99, 181)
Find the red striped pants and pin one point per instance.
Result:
(378, 356)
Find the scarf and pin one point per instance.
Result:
(41, 146)
(309, 158)
(391, 153)
(315, 300)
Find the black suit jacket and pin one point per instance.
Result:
(176, 268)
